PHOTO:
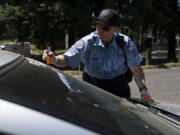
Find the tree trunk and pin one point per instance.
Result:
(53, 46)
(171, 44)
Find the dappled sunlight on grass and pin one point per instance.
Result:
(7, 41)
(40, 51)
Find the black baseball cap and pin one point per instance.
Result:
(109, 17)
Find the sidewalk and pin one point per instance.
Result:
(163, 85)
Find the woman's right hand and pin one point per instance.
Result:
(52, 58)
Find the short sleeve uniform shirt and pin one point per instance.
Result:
(100, 61)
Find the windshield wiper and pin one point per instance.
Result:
(155, 108)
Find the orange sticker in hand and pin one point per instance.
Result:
(48, 60)
(146, 98)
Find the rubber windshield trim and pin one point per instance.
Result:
(11, 65)
(158, 111)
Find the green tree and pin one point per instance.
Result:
(51, 18)
(171, 26)
(2, 24)
(16, 21)
(11, 14)
(47, 22)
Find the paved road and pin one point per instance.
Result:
(163, 84)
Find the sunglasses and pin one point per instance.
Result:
(103, 27)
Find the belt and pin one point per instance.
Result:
(118, 78)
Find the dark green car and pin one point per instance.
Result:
(36, 98)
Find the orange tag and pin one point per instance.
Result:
(146, 98)
(48, 61)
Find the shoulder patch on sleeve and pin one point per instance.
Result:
(80, 44)
(132, 47)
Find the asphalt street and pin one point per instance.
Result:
(163, 84)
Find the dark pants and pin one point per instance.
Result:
(118, 85)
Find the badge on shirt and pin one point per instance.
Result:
(79, 44)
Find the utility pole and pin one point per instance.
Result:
(66, 40)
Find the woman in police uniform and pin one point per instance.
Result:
(104, 58)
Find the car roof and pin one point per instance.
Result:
(7, 57)
(9, 60)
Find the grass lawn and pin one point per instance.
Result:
(40, 52)
(7, 41)
(162, 65)
(157, 61)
